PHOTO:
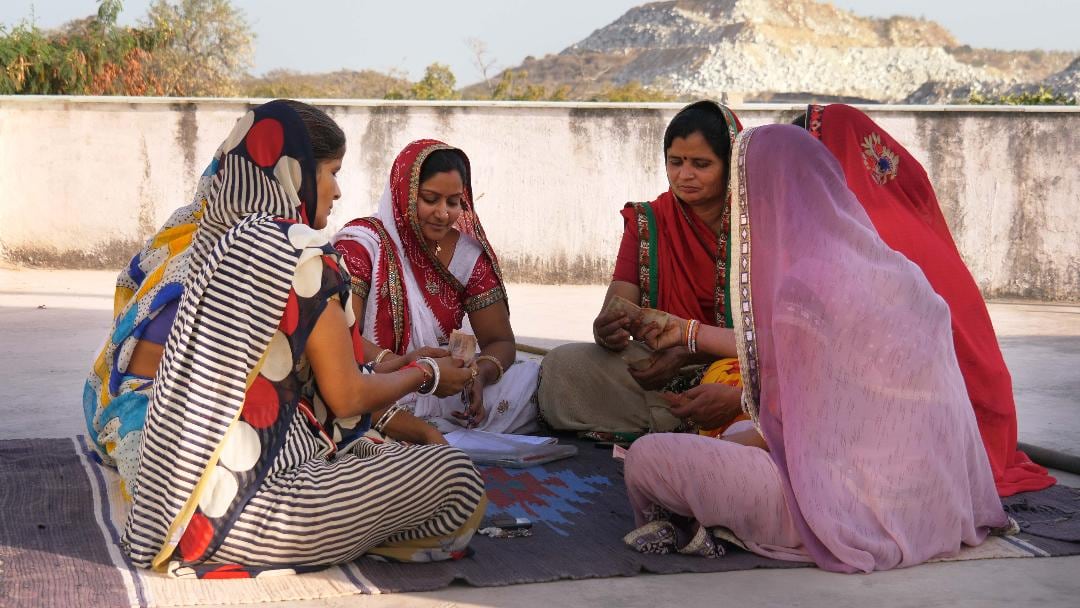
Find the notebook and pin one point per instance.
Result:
(514, 451)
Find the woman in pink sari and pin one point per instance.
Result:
(869, 457)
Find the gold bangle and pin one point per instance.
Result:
(498, 365)
(382, 355)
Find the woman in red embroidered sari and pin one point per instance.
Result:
(673, 257)
(897, 195)
(418, 267)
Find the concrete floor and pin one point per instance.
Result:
(53, 322)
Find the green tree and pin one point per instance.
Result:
(1044, 96)
(209, 46)
(515, 86)
(90, 56)
(438, 83)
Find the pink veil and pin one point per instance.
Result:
(849, 368)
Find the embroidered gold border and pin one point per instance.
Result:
(359, 286)
(742, 313)
(721, 279)
(485, 299)
(814, 115)
(395, 288)
(644, 256)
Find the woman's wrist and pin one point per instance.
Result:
(426, 374)
(431, 382)
(390, 364)
(690, 334)
(491, 372)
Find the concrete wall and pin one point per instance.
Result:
(85, 180)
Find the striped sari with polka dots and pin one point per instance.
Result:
(237, 471)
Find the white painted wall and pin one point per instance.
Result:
(85, 180)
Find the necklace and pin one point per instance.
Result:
(438, 247)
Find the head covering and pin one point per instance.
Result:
(255, 267)
(849, 368)
(399, 312)
(896, 193)
(115, 402)
(675, 245)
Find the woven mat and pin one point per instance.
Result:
(62, 516)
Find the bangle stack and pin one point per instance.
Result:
(382, 355)
(432, 378)
(495, 361)
(387, 416)
(692, 326)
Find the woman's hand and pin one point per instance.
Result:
(672, 334)
(426, 351)
(452, 376)
(707, 406)
(406, 427)
(432, 436)
(611, 330)
(665, 366)
(392, 363)
(473, 398)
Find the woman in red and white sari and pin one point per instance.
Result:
(419, 266)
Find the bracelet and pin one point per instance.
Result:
(427, 374)
(692, 327)
(387, 416)
(498, 365)
(434, 379)
(382, 355)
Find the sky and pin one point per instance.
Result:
(327, 35)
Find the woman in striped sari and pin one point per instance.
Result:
(240, 466)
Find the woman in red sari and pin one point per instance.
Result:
(419, 267)
(673, 257)
(897, 195)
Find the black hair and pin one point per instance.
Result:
(444, 161)
(327, 138)
(703, 117)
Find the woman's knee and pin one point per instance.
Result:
(643, 456)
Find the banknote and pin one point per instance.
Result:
(637, 355)
(652, 315)
(618, 304)
(462, 345)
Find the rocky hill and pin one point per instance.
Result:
(761, 50)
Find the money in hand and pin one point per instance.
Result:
(462, 345)
(620, 305)
(652, 315)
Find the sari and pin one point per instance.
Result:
(237, 471)
(665, 244)
(680, 266)
(412, 300)
(874, 458)
(115, 401)
(899, 198)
